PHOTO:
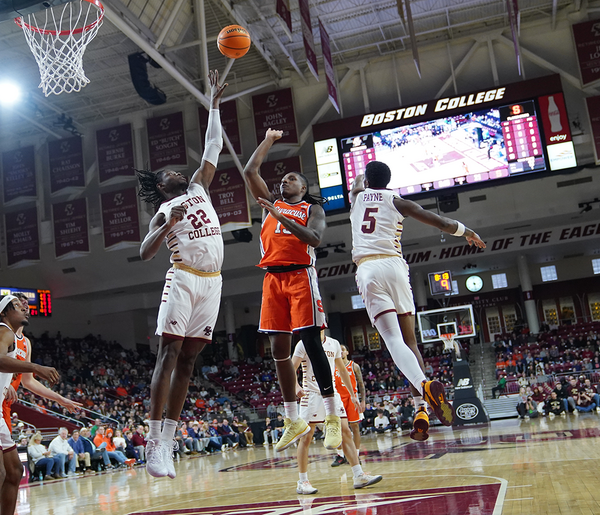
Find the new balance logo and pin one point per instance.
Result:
(463, 382)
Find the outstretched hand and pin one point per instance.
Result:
(273, 134)
(216, 91)
(474, 239)
(265, 204)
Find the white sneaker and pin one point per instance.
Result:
(305, 488)
(169, 459)
(155, 458)
(576, 412)
(366, 480)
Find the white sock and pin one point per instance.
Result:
(291, 410)
(329, 405)
(389, 329)
(419, 403)
(357, 470)
(340, 452)
(168, 432)
(154, 433)
(303, 476)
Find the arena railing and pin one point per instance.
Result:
(71, 419)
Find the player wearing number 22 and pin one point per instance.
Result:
(292, 227)
(187, 222)
(377, 217)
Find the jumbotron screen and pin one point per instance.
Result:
(475, 139)
(40, 301)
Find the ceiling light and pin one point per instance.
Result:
(10, 93)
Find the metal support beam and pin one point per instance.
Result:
(201, 27)
(248, 91)
(365, 92)
(554, 8)
(458, 69)
(395, 67)
(37, 124)
(188, 44)
(453, 75)
(167, 26)
(227, 69)
(493, 62)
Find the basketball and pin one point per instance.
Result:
(233, 41)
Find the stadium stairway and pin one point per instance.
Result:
(504, 407)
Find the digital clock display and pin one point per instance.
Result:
(440, 283)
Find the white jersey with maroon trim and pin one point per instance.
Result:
(332, 351)
(376, 224)
(196, 240)
(6, 378)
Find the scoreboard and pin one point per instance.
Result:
(524, 149)
(40, 301)
(440, 283)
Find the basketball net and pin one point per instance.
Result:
(450, 344)
(58, 37)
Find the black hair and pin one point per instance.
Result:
(378, 174)
(311, 199)
(149, 191)
(21, 296)
(9, 307)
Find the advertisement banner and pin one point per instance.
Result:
(66, 164)
(115, 152)
(329, 71)
(70, 227)
(18, 173)
(228, 195)
(120, 219)
(229, 121)
(587, 44)
(307, 36)
(273, 171)
(593, 107)
(22, 236)
(166, 141)
(275, 110)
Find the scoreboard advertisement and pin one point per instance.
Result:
(482, 138)
(40, 301)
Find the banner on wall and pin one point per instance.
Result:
(587, 45)
(120, 219)
(115, 152)
(22, 236)
(229, 121)
(229, 198)
(275, 110)
(308, 38)
(166, 141)
(18, 173)
(593, 107)
(329, 71)
(66, 164)
(273, 171)
(70, 224)
(283, 10)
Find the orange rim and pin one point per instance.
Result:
(97, 3)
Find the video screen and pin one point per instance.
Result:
(462, 149)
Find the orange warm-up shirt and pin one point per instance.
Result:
(22, 348)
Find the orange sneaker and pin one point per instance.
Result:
(420, 426)
(435, 396)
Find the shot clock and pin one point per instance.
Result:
(440, 283)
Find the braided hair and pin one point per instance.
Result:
(149, 191)
(311, 199)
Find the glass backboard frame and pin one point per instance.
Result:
(457, 320)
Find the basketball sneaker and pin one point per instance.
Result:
(333, 432)
(339, 460)
(169, 449)
(366, 480)
(305, 488)
(435, 396)
(292, 433)
(420, 426)
(155, 458)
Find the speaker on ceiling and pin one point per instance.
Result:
(139, 77)
(448, 202)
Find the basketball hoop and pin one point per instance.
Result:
(58, 38)
(448, 340)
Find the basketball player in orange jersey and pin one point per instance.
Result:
(376, 216)
(12, 317)
(187, 223)
(29, 382)
(354, 415)
(291, 229)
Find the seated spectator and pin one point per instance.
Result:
(500, 387)
(130, 451)
(573, 391)
(584, 401)
(59, 448)
(229, 435)
(43, 459)
(119, 441)
(590, 392)
(562, 395)
(528, 409)
(76, 443)
(95, 454)
(277, 427)
(195, 441)
(272, 410)
(407, 413)
(103, 441)
(554, 406)
(138, 441)
(235, 426)
(367, 423)
(246, 432)
(381, 423)
(215, 442)
(539, 396)
(268, 432)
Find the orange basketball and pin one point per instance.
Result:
(233, 41)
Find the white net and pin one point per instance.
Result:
(448, 340)
(58, 38)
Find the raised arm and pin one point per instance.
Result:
(454, 227)
(16, 366)
(213, 141)
(255, 183)
(357, 186)
(158, 230)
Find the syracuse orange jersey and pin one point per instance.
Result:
(339, 384)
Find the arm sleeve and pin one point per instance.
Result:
(213, 142)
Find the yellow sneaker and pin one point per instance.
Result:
(292, 433)
(333, 432)
(435, 396)
(420, 426)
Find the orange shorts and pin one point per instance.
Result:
(351, 411)
(6, 413)
(291, 301)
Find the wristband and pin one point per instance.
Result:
(460, 230)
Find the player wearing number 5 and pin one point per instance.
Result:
(187, 222)
(377, 216)
(291, 229)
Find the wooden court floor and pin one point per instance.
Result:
(509, 467)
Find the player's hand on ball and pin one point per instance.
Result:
(176, 215)
(273, 134)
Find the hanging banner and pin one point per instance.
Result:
(18, 173)
(228, 196)
(307, 36)
(70, 227)
(166, 141)
(120, 219)
(593, 107)
(329, 71)
(283, 10)
(229, 121)
(115, 152)
(587, 43)
(22, 236)
(273, 171)
(66, 164)
(275, 110)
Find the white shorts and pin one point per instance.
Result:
(385, 286)
(6, 441)
(312, 409)
(190, 305)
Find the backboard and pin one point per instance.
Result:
(456, 320)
